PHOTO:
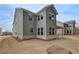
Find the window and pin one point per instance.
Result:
(67, 31)
(41, 31)
(66, 25)
(31, 29)
(53, 31)
(41, 17)
(50, 31)
(38, 31)
(51, 16)
(38, 18)
(30, 18)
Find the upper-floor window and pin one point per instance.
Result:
(30, 18)
(70, 25)
(66, 25)
(38, 18)
(51, 16)
(41, 17)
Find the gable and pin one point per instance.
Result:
(49, 7)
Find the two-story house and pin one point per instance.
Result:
(66, 28)
(69, 27)
(42, 24)
(35, 25)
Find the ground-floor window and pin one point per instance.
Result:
(69, 31)
(31, 29)
(51, 31)
(40, 31)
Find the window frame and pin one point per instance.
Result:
(50, 31)
(31, 30)
(50, 16)
(41, 30)
(53, 31)
(41, 17)
(29, 17)
(38, 17)
(38, 31)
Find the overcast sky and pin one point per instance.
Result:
(66, 12)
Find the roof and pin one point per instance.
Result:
(46, 7)
(26, 10)
(23, 10)
(59, 24)
(70, 22)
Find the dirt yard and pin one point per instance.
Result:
(34, 46)
(75, 37)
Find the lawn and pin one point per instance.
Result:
(35, 46)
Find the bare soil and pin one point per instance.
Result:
(9, 44)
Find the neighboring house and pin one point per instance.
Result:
(6, 33)
(69, 27)
(60, 28)
(35, 25)
(0, 31)
(77, 30)
(66, 28)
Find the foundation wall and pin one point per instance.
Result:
(50, 37)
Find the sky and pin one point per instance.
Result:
(66, 12)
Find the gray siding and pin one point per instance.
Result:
(42, 23)
(18, 23)
(27, 24)
(0, 31)
(50, 23)
(22, 25)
